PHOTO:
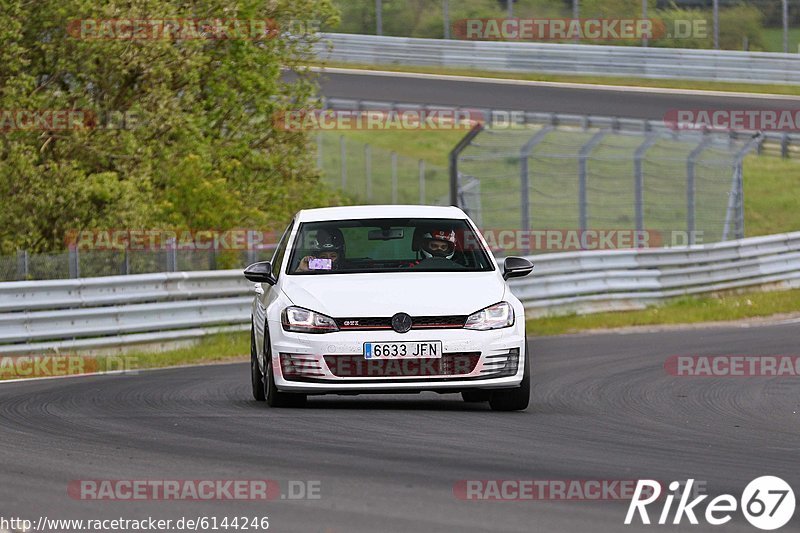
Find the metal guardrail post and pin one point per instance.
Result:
(22, 264)
(524, 176)
(421, 166)
(690, 186)
(74, 262)
(785, 146)
(735, 208)
(394, 177)
(343, 161)
(454, 153)
(252, 255)
(638, 176)
(172, 255)
(715, 17)
(368, 170)
(446, 18)
(319, 150)
(583, 155)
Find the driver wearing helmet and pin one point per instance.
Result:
(439, 243)
(329, 246)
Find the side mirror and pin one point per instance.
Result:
(516, 267)
(260, 273)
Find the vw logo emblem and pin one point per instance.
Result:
(401, 322)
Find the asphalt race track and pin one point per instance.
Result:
(603, 408)
(621, 102)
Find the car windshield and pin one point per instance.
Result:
(387, 245)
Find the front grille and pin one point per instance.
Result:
(500, 365)
(417, 322)
(356, 366)
(294, 365)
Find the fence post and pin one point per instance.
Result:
(22, 265)
(524, 177)
(172, 255)
(368, 169)
(583, 156)
(251, 248)
(421, 165)
(126, 262)
(343, 161)
(319, 150)
(394, 177)
(638, 176)
(454, 153)
(74, 263)
(690, 186)
(735, 208)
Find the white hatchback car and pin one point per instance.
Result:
(373, 299)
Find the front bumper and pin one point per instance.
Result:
(334, 362)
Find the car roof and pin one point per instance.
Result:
(379, 211)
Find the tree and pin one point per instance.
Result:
(198, 148)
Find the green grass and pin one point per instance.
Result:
(684, 310)
(771, 195)
(792, 90)
(773, 39)
(215, 348)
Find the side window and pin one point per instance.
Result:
(280, 251)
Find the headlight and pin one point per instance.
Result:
(302, 320)
(493, 317)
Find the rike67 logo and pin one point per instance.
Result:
(767, 502)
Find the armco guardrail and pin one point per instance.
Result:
(99, 313)
(105, 312)
(577, 59)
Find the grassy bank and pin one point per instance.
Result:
(216, 348)
(684, 310)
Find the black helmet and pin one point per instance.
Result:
(328, 240)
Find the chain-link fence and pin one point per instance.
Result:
(374, 175)
(567, 175)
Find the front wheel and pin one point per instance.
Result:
(515, 399)
(256, 375)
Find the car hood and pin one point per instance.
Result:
(381, 295)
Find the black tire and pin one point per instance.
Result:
(518, 398)
(256, 375)
(476, 395)
(276, 398)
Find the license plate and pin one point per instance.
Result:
(403, 350)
